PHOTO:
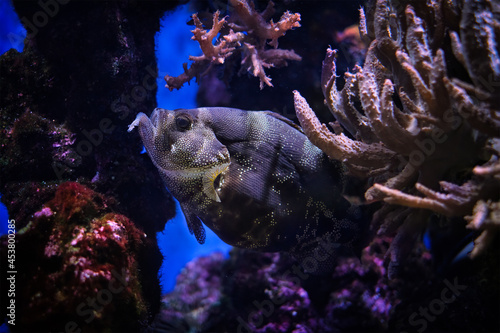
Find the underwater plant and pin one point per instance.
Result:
(245, 31)
(412, 120)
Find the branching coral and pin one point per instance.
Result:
(411, 126)
(246, 32)
(214, 53)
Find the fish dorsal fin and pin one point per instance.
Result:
(285, 120)
(194, 225)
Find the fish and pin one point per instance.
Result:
(255, 180)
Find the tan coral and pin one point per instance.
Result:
(362, 159)
(426, 125)
(485, 217)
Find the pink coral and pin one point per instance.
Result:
(247, 33)
(214, 53)
(73, 250)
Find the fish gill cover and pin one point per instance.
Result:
(415, 124)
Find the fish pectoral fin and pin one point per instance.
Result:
(140, 117)
(133, 125)
(209, 178)
(194, 225)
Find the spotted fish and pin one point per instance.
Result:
(253, 178)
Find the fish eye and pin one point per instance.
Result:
(183, 122)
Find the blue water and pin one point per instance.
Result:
(12, 33)
(173, 46)
(4, 217)
(179, 247)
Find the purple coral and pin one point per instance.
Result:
(268, 292)
(211, 295)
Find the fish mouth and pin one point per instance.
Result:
(220, 158)
(223, 157)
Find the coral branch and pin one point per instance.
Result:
(287, 22)
(250, 18)
(176, 82)
(215, 53)
(455, 203)
(488, 170)
(341, 103)
(251, 45)
(256, 65)
(397, 197)
(358, 156)
(410, 124)
(485, 217)
(477, 114)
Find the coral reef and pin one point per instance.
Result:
(413, 120)
(64, 112)
(244, 31)
(399, 126)
(258, 292)
(78, 266)
(267, 292)
(418, 121)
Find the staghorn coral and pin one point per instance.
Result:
(404, 121)
(246, 32)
